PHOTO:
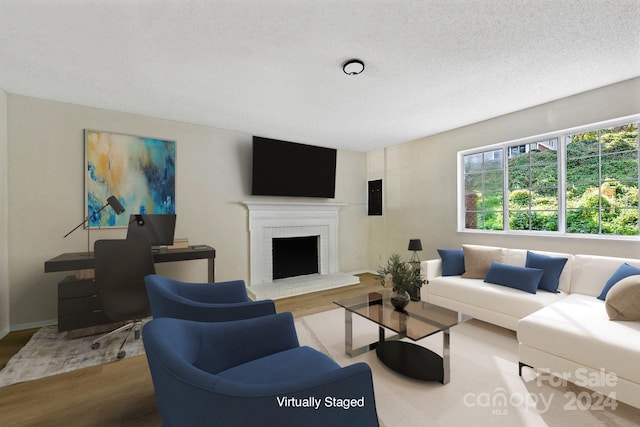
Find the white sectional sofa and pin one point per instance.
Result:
(568, 334)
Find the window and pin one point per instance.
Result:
(484, 190)
(602, 181)
(533, 186)
(581, 181)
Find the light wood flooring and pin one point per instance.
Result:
(119, 393)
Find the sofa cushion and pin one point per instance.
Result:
(497, 298)
(625, 270)
(552, 267)
(452, 261)
(591, 272)
(522, 278)
(577, 328)
(519, 257)
(478, 259)
(623, 299)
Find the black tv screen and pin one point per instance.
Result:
(282, 168)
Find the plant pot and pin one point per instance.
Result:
(399, 300)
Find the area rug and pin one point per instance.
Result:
(484, 389)
(49, 352)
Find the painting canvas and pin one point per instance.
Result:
(139, 171)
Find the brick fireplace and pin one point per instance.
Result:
(273, 220)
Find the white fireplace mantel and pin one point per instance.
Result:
(269, 220)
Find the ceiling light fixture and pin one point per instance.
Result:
(353, 67)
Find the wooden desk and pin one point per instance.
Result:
(72, 261)
(78, 303)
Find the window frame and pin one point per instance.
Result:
(561, 136)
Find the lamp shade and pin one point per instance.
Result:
(415, 245)
(115, 205)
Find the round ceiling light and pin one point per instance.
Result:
(353, 67)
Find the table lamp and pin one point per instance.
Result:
(415, 245)
(115, 205)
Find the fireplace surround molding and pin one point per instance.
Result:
(269, 220)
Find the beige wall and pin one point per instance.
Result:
(4, 198)
(45, 148)
(213, 171)
(420, 177)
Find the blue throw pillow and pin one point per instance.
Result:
(552, 268)
(522, 278)
(625, 270)
(452, 261)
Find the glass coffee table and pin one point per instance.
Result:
(418, 320)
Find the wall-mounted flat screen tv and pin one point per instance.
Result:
(282, 168)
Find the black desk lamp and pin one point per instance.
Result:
(115, 205)
(415, 245)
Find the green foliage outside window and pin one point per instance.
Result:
(601, 171)
(602, 181)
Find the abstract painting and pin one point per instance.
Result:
(139, 171)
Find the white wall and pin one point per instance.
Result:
(213, 171)
(420, 177)
(4, 199)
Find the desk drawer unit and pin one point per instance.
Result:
(78, 304)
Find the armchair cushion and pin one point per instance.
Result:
(284, 367)
(243, 341)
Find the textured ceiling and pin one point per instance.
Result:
(273, 68)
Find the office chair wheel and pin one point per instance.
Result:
(95, 345)
(122, 354)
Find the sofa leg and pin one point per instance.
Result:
(520, 366)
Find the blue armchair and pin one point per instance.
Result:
(251, 372)
(204, 302)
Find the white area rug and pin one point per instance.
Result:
(484, 368)
(485, 388)
(49, 353)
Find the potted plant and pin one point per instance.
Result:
(402, 277)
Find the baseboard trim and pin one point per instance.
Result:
(23, 326)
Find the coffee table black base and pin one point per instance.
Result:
(411, 360)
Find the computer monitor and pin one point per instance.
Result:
(156, 228)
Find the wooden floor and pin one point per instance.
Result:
(118, 393)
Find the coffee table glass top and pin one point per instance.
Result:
(418, 320)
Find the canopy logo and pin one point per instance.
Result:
(500, 400)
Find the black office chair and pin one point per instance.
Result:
(120, 269)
